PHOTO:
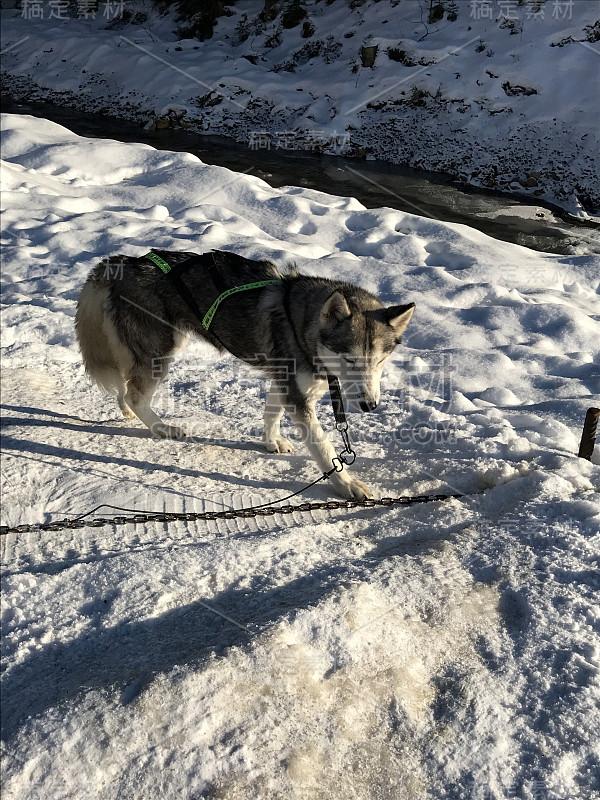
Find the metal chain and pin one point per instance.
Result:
(208, 516)
(344, 457)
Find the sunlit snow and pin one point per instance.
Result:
(448, 650)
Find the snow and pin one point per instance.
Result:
(448, 650)
(505, 99)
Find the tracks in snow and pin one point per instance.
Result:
(54, 551)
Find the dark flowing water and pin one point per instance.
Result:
(374, 183)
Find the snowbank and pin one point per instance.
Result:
(447, 650)
(504, 97)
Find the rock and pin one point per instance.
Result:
(514, 89)
(368, 54)
(307, 29)
(436, 13)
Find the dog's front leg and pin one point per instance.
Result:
(344, 484)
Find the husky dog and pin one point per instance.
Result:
(131, 320)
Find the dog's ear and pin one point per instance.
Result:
(335, 308)
(399, 317)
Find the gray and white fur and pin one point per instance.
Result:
(131, 321)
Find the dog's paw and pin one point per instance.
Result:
(349, 487)
(168, 431)
(279, 445)
(126, 410)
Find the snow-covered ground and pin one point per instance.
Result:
(448, 650)
(502, 95)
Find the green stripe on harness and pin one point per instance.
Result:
(208, 317)
(160, 263)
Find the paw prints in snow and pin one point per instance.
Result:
(303, 228)
(159, 213)
(369, 243)
(363, 220)
(441, 255)
(375, 233)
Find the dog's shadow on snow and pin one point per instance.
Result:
(128, 655)
(72, 423)
(125, 657)
(67, 422)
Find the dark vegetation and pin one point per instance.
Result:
(198, 18)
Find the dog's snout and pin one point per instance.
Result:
(368, 405)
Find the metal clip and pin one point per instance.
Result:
(349, 457)
(339, 466)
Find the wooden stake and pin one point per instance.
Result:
(588, 437)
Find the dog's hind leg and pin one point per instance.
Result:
(141, 385)
(123, 360)
(272, 438)
(125, 410)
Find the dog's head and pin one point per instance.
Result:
(355, 340)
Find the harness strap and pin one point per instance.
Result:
(347, 455)
(186, 296)
(160, 262)
(208, 317)
(336, 400)
(175, 278)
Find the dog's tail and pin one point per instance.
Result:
(91, 329)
